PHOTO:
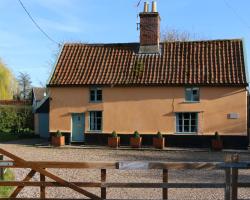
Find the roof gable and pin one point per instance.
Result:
(214, 62)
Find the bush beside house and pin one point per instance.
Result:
(16, 120)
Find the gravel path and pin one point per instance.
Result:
(28, 151)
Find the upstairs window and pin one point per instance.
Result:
(192, 94)
(95, 95)
(95, 120)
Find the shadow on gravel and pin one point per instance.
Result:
(28, 142)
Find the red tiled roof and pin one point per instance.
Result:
(215, 62)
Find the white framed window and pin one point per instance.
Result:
(95, 94)
(187, 122)
(192, 94)
(95, 120)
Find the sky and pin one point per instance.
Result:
(23, 48)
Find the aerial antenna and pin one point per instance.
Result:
(137, 15)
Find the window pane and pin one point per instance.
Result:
(99, 95)
(186, 115)
(193, 129)
(196, 98)
(98, 113)
(91, 121)
(179, 129)
(186, 128)
(92, 95)
(193, 116)
(180, 122)
(193, 122)
(188, 94)
(196, 94)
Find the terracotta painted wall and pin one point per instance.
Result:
(151, 109)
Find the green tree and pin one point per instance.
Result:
(24, 82)
(8, 83)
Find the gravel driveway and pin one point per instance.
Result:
(28, 151)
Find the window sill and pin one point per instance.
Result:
(97, 131)
(95, 101)
(181, 133)
(191, 102)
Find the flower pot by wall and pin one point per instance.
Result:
(217, 145)
(114, 142)
(159, 143)
(58, 141)
(135, 142)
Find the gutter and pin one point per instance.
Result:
(245, 60)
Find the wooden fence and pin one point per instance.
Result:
(231, 166)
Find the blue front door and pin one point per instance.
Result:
(78, 125)
(43, 125)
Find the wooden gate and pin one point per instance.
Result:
(230, 166)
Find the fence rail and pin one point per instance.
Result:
(230, 166)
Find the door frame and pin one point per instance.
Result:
(83, 115)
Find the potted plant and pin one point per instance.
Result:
(217, 143)
(114, 140)
(159, 141)
(58, 139)
(135, 140)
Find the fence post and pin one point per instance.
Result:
(103, 180)
(165, 180)
(42, 188)
(234, 180)
(227, 179)
(1, 169)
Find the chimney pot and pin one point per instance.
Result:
(146, 7)
(154, 6)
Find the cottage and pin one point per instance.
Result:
(187, 90)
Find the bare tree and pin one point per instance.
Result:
(25, 85)
(173, 35)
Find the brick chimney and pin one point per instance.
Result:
(149, 30)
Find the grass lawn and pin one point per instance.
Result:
(5, 137)
(6, 190)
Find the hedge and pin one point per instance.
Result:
(16, 119)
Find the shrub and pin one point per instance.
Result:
(114, 134)
(58, 133)
(159, 135)
(16, 119)
(136, 134)
(217, 136)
